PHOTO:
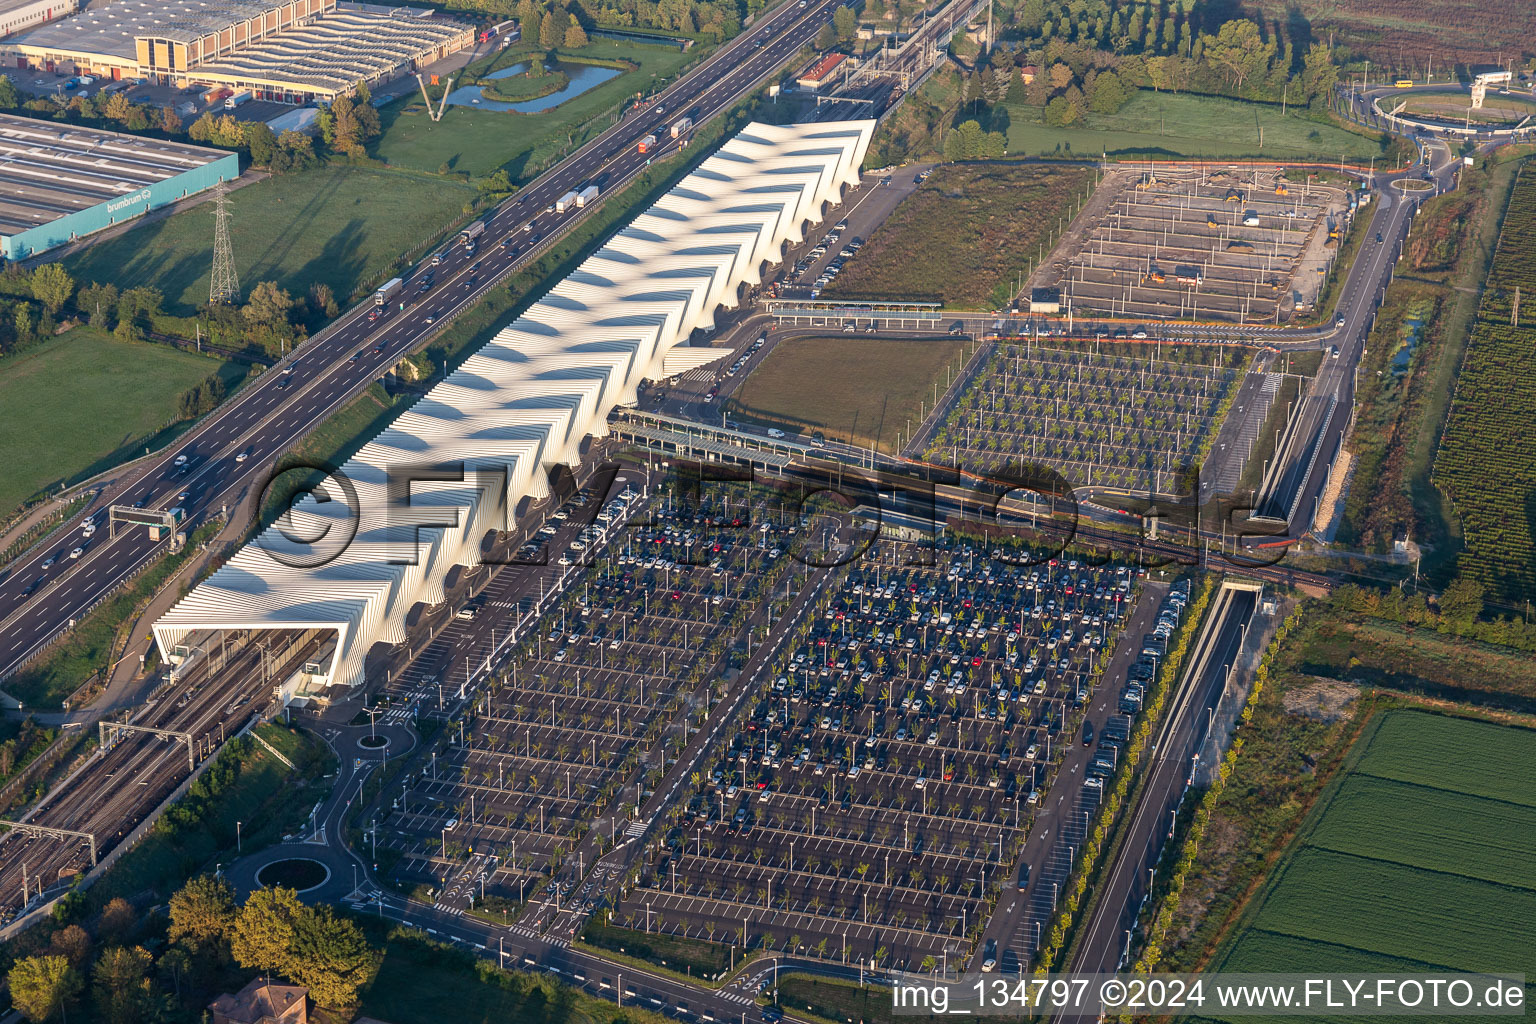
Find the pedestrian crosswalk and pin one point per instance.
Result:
(634, 830)
(699, 375)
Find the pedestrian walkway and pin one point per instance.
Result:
(1234, 443)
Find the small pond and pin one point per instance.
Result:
(582, 77)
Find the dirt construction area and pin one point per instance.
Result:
(1197, 243)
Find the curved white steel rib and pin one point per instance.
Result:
(525, 402)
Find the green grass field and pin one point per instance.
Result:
(849, 387)
(478, 142)
(965, 235)
(340, 225)
(1166, 125)
(1417, 858)
(83, 401)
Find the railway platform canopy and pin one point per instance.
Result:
(382, 534)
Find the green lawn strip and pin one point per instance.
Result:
(710, 964)
(82, 402)
(477, 142)
(419, 979)
(833, 1000)
(88, 649)
(852, 388)
(340, 225)
(1167, 126)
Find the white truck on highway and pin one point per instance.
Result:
(680, 127)
(566, 202)
(388, 290)
(470, 233)
(586, 195)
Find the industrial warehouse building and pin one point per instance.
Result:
(290, 51)
(524, 404)
(20, 15)
(61, 182)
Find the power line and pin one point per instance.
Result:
(224, 284)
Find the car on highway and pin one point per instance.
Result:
(378, 349)
(373, 315)
(1339, 322)
(77, 552)
(48, 562)
(242, 456)
(356, 356)
(1023, 877)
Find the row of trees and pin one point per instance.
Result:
(560, 24)
(273, 933)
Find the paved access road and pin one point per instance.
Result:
(230, 453)
(1169, 765)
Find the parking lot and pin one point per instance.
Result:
(1118, 414)
(601, 690)
(873, 801)
(1204, 244)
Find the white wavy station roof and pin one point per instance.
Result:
(526, 401)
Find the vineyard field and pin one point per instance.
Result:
(1128, 416)
(1416, 857)
(1487, 459)
(1403, 34)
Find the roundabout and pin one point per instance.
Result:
(1484, 108)
(299, 873)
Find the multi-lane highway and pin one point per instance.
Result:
(229, 455)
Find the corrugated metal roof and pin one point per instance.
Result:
(525, 402)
